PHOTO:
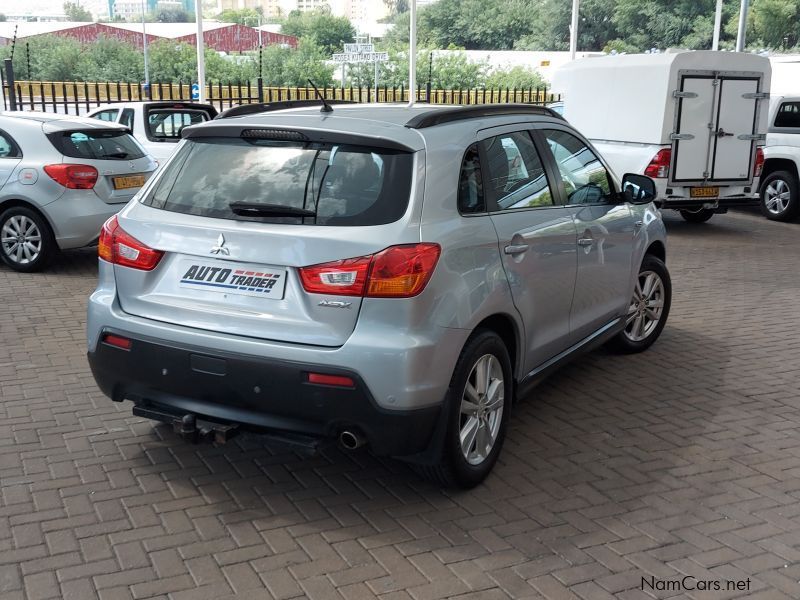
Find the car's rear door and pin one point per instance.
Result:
(537, 240)
(605, 226)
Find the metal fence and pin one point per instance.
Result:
(71, 97)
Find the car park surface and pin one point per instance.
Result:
(683, 460)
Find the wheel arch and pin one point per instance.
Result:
(18, 202)
(505, 326)
(771, 165)
(658, 250)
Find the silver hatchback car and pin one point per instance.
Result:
(387, 276)
(61, 178)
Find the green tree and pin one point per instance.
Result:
(3, 18)
(295, 66)
(327, 32)
(775, 22)
(173, 16)
(244, 16)
(75, 12)
(517, 77)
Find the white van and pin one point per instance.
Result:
(694, 121)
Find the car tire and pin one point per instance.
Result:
(697, 216)
(652, 297)
(780, 196)
(21, 225)
(467, 465)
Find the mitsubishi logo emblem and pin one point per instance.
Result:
(220, 247)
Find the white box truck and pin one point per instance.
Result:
(694, 121)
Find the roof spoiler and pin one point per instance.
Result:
(262, 107)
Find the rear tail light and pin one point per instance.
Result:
(397, 272)
(759, 162)
(659, 166)
(74, 177)
(118, 247)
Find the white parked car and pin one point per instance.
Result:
(780, 190)
(693, 121)
(157, 125)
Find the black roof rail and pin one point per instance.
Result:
(475, 111)
(260, 107)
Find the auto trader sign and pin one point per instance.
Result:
(360, 53)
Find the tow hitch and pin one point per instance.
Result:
(188, 426)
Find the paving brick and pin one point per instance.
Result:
(685, 459)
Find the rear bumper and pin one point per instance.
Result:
(713, 203)
(267, 394)
(678, 197)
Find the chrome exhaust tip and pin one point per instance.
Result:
(350, 440)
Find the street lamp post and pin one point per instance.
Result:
(573, 30)
(144, 47)
(717, 26)
(740, 37)
(412, 54)
(201, 59)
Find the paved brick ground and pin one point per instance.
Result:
(682, 461)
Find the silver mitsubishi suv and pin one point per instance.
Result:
(386, 276)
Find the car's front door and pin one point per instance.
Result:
(537, 240)
(606, 227)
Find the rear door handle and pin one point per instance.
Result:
(515, 248)
(585, 242)
(638, 224)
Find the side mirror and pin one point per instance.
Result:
(638, 189)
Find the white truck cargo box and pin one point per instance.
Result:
(698, 117)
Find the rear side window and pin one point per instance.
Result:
(788, 115)
(341, 185)
(96, 144)
(166, 124)
(8, 148)
(106, 115)
(516, 174)
(470, 183)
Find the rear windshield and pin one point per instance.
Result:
(97, 144)
(343, 185)
(165, 124)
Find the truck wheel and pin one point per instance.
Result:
(26, 241)
(649, 308)
(478, 404)
(700, 215)
(779, 196)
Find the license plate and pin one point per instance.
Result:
(233, 278)
(704, 192)
(129, 181)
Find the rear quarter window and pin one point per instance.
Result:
(97, 145)
(788, 115)
(343, 185)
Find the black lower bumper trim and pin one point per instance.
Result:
(270, 395)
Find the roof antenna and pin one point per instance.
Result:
(326, 108)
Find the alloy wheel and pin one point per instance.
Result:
(482, 406)
(21, 240)
(647, 304)
(777, 196)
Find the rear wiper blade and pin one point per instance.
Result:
(257, 209)
(115, 155)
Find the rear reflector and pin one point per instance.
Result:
(335, 380)
(117, 341)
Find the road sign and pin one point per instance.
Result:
(195, 92)
(361, 57)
